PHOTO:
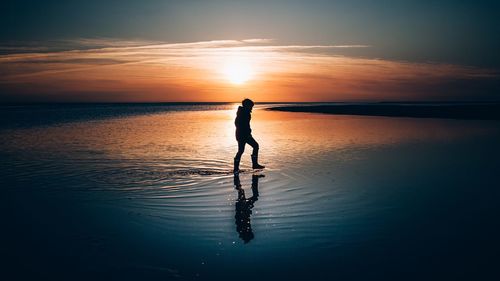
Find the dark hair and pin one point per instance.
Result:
(247, 103)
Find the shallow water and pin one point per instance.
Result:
(150, 193)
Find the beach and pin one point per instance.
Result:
(126, 192)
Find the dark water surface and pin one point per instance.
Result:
(120, 192)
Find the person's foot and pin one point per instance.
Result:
(258, 166)
(255, 163)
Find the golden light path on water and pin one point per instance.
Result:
(177, 164)
(209, 136)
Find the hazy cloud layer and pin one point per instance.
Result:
(135, 70)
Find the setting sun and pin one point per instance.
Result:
(238, 70)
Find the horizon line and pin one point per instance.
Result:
(232, 102)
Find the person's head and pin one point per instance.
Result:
(247, 103)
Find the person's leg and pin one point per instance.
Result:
(237, 157)
(254, 144)
(241, 149)
(255, 154)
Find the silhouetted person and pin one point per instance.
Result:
(244, 208)
(244, 135)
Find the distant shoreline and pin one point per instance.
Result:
(480, 111)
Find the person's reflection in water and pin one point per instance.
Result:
(244, 207)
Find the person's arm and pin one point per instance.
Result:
(247, 122)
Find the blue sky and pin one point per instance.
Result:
(452, 31)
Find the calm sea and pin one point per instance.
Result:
(145, 191)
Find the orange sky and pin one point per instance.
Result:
(154, 72)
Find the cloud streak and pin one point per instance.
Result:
(159, 71)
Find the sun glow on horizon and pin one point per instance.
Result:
(238, 70)
(221, 70)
